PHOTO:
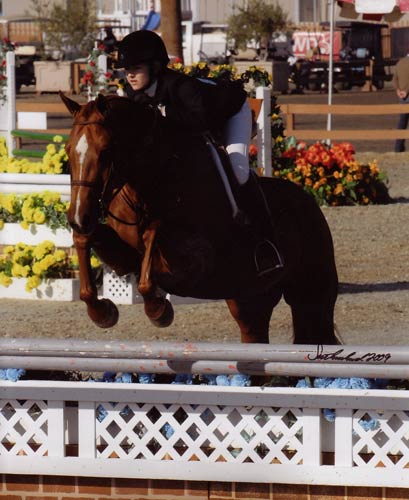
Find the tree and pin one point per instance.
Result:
(171, 27)
(69, 27)
(257, 22)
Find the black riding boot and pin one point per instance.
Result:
(267, 257)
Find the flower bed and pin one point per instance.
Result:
(54, 161)
(34, 208)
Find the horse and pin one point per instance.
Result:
(149, 200)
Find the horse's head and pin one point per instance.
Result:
(87, 149)
(110, 135)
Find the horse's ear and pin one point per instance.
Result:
(102, 104)
(72, 106)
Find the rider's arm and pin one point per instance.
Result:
(185, 107)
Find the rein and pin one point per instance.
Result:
(104, 202)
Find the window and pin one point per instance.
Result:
(308, 11)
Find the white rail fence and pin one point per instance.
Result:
(200, 432)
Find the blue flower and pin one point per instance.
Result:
(12, 374)
(146, 378)
(240, 380)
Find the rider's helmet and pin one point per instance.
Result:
(142, 47)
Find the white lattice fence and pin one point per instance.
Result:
(205, 433)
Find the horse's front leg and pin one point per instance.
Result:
(103, 312)
(157, 307)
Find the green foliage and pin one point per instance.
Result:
(69, 27)
(257, 21)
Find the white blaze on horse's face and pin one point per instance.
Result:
(81, 148)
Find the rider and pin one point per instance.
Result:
(199, 106)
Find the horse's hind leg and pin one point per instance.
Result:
(253, 316)
(313, 316)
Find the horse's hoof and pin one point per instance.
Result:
(166, 317)
(106, 315)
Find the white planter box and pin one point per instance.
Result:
(11, 234)
(53, 76)
(52, 289)
(36, 183)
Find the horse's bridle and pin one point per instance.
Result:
(104, 205)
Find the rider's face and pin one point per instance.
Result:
(138, 76)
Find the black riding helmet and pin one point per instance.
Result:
(141, 47)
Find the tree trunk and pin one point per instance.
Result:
(171, 27)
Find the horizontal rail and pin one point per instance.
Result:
(41, 136)
(167, 357)
(341, 135)
(47, 107)
(26, 153)
(206, 367)
(290, 111)
(344, 109)
(295, 353)
(41, 179)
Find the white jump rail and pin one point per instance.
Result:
(200, 432)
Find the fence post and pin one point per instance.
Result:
(102, 69)
(264, 131)
(11, 99)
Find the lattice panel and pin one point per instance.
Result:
(200, 433)
(384, 445)
(23, 427)
(120, 289)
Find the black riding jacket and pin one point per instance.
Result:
(192, 105)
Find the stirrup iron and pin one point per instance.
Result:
(278, 265)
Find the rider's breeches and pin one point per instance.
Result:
(237, 135)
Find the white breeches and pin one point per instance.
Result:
(237, 135)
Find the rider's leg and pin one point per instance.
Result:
(237, 136)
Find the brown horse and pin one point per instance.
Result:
(166, 218)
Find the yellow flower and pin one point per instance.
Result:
(5, 280)
(37, 268)
(39, 217)
(32, 282)
(17, 270)
(47, 262)
(24, 224)
(339, 188)
(95, 262)
(60, 255)
(74, 260)
(57, 139)
(42, 249)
